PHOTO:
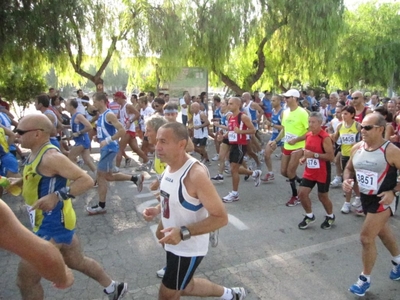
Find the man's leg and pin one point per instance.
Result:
(28, 281)
(235, 176)
(373, 225)
(304, 196)
(326, 202)
(388, 239)
(102, 185)
(75, 259)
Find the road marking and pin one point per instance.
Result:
(145, 195)
(237, 223)
(140, 208)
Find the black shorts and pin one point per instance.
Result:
(345, 160)
(225, 141)
(322, 187)
(370, 204)
(237, 153)
(200, 142)
(179, 271)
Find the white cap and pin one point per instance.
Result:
(292, 93)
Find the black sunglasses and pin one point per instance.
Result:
(287, 97)
(354, 98)
(369, 127)
(22, 132)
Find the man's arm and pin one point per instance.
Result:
(250, 126)
(111, 118)
(42, 255)
(133, 111)
(81, 118)
(55, 163)
(10, 134)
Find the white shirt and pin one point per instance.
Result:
(183, 110)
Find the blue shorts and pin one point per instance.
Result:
(83, 141)
(106, 161)
(55, 142)
(63, 236)
(8, 164)
(274, 136)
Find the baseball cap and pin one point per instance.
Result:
(120, 94)
(292, 93)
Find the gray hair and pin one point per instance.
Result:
(334, 94)
(156, 122)
(317, 115)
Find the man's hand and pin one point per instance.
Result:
(236, 130)
(386, 197)
(292, 141)
(172, 236)
(348, 185)
(46, 203)
(150, 213)
(75, 134)
(103, 143)
(69, 280)
(308, 154)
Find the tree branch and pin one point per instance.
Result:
(77, 67)
(110, 52)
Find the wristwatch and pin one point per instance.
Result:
(316, 155)
(185, 233)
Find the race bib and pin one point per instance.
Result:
(232, 136)
(32, 215)
(289, 136)
(312, 163)
(348, 139)
(367, 179)
(99, 132)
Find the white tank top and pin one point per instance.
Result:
(124, 119)
(199, 133)
(178, 209)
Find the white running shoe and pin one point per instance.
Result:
(238, 293)
(96, 210)
(230, 198)
(356, 202)
(336, 182)
(215, 158)
(257, 177)
(345, 208)
(161, 272)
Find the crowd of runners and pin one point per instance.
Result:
(357, 133)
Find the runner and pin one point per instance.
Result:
(295, 126)
(374, 163)
(318, 155)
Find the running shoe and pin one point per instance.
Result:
(360, 212)
(247, 176)
(161, 272)
(230, 198)
(345, 208)
(238, 293)
(128, 162)
(356, 202)
(336, 182)
(218, 178)
(142, 167)
(268, 177)
(306, 221)
(215, 158)
(293, 201)
(214, 238)
(257, 177)
(360, 287)
(139, 182)
(395, 272)
(96, 210)
(327, 224)
(119, 292)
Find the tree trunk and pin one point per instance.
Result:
(98, 81)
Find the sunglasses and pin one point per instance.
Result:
(288, 97)
(369, 127)
(22, 132)
(354, 98)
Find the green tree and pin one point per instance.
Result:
(369, 48)
(240, 40)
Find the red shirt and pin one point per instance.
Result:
(236, 138)
(316, 168)
(361, 116)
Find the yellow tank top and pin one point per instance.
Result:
(36, 186)
(348, 137)
(3, 140)
(159, 166)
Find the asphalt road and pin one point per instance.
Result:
(261, 248)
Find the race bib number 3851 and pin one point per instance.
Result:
(367, 179)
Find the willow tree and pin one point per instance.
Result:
(239, 39)
(369, 48)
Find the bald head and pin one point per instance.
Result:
(36, 121)
(246, 96)
(195, 107)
